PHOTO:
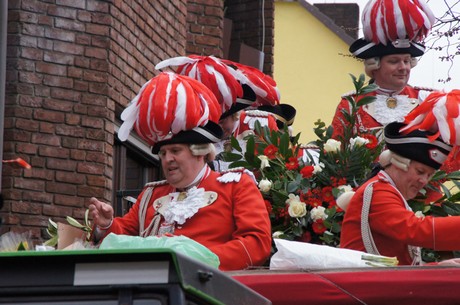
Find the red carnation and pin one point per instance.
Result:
(292, 164)
(319, 227)
(268, 205)
(327, 194)
(307, 171)
(315, 202)
(270, 151)
(373, 142)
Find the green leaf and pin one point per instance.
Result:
(231, 157)
(22, 246)
(249, 155)
(452, 209)
(52, 242)
(87, 222)
(73, 222)
(366, 100)
(235, 144)
(284, 147)
(243, 163)
(369, 88)
(453, 175)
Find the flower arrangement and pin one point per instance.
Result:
(301, 184)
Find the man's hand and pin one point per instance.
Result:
(101, 212)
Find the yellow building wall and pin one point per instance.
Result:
(309, 69)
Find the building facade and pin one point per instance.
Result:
(73, 66)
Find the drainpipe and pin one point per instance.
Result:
(3, 32)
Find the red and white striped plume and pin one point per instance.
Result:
(388, 20)
(263, 85)
(221, 79)
(167, 104)
(439, 113)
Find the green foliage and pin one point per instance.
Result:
(306, 178)
(52, 229)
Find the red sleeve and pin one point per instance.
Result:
(390, 218)
(272, 123)
(251, 240)
(338, 120)
(128, 224)
(452, 162)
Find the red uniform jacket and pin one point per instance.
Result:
(236, 226)
(247, 119)
(365, 121)
(394, 227)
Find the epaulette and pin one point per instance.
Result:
(233, 170)
(349, 94)
(258, 113)
(425, 88)
(309, 146)
(234, 175)
(156, 183)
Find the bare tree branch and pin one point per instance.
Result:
(445, 36)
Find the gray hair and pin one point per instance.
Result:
(373, 63)
(388, 157)
(208, 150)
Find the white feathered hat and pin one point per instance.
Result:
(172, 108)
(393, 27)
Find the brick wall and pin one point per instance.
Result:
(205, 19)
(253, 24)
(71, 67)
(143, 34)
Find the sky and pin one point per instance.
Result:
(430, 68)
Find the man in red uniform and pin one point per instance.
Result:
(223, 211)
(378, 219)
(388, 59)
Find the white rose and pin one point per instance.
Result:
(318, 213)
(265, 185)
(345, 188)
(291, 198)
(318, 168)
(263, 161)
(358, 141)
(419, 214)
(297, 209)
(277, 234)
(332, 145)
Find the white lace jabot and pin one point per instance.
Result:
(382, 113)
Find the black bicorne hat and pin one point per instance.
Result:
(393, 27)
(283, 113)
(248, 98)
(416, 145)
(367, 49)
(209, 133)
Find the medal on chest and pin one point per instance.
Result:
(392, 102)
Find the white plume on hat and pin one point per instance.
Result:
(389, 20)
